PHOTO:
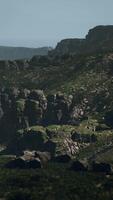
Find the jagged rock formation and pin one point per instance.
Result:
(98, 39)
(27, 108)
(100, 33)
(68, 46)
(32, 109)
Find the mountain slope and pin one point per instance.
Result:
(12, 53)
(87, 76)
(90, 77)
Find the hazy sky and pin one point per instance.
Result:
(37, 23)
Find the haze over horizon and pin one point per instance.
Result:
(40, 23)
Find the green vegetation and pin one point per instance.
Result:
(55, 181)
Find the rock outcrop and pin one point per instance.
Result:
(29, 159)
(28, 108)
(99, 38)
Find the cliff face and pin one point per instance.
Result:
(100, 33)
(69, 46)
(99, 38)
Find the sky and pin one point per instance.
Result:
(37, 23)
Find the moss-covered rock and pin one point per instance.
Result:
(20, 106)
(62, 131)
(33, 111)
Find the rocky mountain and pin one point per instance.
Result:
(98, 39)
(12, 53)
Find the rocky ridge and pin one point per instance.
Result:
(99, 38)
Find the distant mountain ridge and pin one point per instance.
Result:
(99, 38)
(13, 53)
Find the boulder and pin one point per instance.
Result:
(18, 108)
(38, 95)
(24, 93)
(34, 138)
(77, 113)
(35, 107)
(44, 157)
(50, 115)
(58, 108)
(33, 111)
(13, 92)
(62, 108)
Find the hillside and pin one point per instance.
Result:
(90, 76)
(12, 53)
(85, 75)
(56, 121)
